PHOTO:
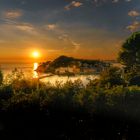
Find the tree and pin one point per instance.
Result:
(1, 77)
(111, 77)
(130, 54)
(135, 80)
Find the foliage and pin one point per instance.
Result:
(71, 96)
(1, 77)
(16, 75)
(135, 80)
(130, 57)
(70, 110)
(64, 61)
(130, 54)
(111, 77)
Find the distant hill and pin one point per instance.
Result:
(65, 61)
(62, 61)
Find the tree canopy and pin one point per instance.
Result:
(130, 53)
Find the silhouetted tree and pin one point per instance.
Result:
(130, 54)
(135, 80)
(111, 77)
(1, 77)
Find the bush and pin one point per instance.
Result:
(69, 110)
(111, 77)
(1, 77)
(6, 91)
(135, 80)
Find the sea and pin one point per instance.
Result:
(28, 70)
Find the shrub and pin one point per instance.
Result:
(111, 77)
(135, 80)
(1, 77)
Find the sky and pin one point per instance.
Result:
(89, 29)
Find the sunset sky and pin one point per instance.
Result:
(91, 29)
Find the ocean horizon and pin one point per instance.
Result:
(7, 68)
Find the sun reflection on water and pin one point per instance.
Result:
(35, 74)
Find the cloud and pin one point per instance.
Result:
(76, 45)
(13, 14)
(73, 4)
(128, 0)
(51, 26)
(8, 21)
(66, 38)
(133, 13)
(63, 37)
(101, 2)
(134, 26)
(21, 26)
(26, 27)
(76, 4)
(115, 1)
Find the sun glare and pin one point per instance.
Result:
(36, 54)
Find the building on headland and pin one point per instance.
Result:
(63, 70)
(78, 70)
(88, 70)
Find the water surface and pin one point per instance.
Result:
(28, 70)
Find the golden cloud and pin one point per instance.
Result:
(134, 26)
(133, 13)
(51, 26)
(12, 14)
(73, 4)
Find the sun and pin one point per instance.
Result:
(36, 54)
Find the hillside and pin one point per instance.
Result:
(64, 61)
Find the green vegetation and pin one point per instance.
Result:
(111, 77)
(130, 54)
(107, 108)
(71, 110)
(130, 58)
(70, 96)
(64, 61)
(1, 77)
